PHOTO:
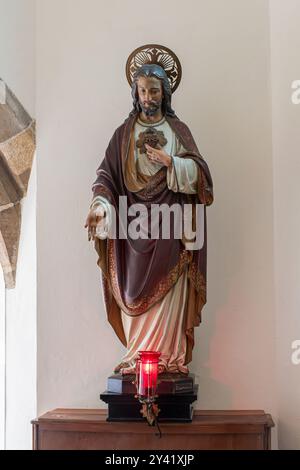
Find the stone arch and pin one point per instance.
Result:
(17, 148)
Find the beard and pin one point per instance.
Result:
(152, 109)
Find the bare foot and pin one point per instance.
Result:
(183, 370)
(128, 370)
(121, 366)
(161, 369)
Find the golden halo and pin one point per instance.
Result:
(155, 54)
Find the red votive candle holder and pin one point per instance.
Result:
(147, 372)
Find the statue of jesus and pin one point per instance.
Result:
(154, 287)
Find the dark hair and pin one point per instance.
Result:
(153, 70)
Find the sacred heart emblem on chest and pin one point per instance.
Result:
(151, 137)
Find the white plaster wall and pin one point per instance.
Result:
(17, 49)
(21, 404)
(17, 68)
(82, 96)
(2, 361)
(285, 47)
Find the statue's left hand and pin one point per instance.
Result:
(158, 155)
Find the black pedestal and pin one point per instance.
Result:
(176, 394)
(166, 384)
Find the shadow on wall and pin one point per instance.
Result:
(17, 147)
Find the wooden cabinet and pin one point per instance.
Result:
(88, 430)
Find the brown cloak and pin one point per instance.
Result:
(138, 273)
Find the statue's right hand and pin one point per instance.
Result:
(94, 217)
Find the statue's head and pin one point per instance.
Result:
(151, 91)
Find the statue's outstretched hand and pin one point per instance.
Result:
(94, 217)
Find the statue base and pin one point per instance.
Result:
(166, 384)
(176, 394)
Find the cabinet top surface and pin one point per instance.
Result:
(201, 417)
